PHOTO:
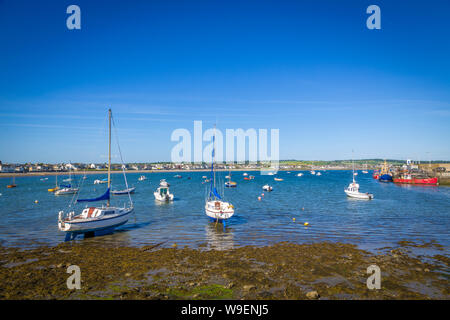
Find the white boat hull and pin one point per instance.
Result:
(225, 211)
(60, 192)
(165, 198)
(95, 224)
(359, 195)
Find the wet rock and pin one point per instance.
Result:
(249, 287)
(313, 295)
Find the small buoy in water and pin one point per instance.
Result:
(306, 224)
(262, 194)
(293, 219)
(303, 209)
(259, 198)
(35, 201)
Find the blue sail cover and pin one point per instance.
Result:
(66, 185)
(103, 197)
(214, 192)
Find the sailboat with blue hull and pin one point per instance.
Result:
(215, 208)
(96, 220)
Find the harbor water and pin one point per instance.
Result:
(397, 213)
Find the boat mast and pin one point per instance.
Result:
(353, 168)
(109, 153)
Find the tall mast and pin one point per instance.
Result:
(109, 152)
(214, 153)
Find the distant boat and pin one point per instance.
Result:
(177, 176)
(267, 188)
(270, 173)
(142, 178)
(385, 173)
(13, 184)
(100, 181)
(162, 193)
(44, 179)
(365, 171)
(229, 183)
(313, 172)
(277, 179)
(215, 208)
(124, 191)
(299, 174)
(353, 189)
(318, 174)
(66, 190)
(56, 185)
(245, 174)
(249, 178)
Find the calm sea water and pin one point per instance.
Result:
(419, 214)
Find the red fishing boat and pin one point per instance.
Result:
(408, 178)
(376, 175)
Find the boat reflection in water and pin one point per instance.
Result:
(219, 237)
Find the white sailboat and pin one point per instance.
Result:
(162, 193)
(66, 189)
(352, 190)
(100, 218)
(215, 208)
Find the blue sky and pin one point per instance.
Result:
(308, 68)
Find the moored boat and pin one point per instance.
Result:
(162, 193)
(216, 208)
(267, 188)
(100, 218)
(411, 179)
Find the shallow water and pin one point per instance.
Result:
(414, 213)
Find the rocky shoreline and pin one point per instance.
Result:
(281, 271)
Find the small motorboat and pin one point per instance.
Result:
(100, 181)
(353, 192)
(162, 193)
(300, 174)
(365, 171)
(230, 184)
(44, 179)
(245, 174)
(142, 178)
(125, 191)
(177, 176)
(278, 179)
(204, 177)
(313, 172)
(267, 188)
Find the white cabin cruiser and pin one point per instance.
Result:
(353, 191)
(162, 193)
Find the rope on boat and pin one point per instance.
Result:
(123, 166)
